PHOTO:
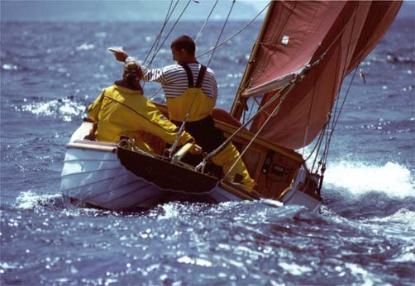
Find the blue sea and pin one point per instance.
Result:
(364, 236)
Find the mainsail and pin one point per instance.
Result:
(319, 41)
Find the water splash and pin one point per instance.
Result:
(32, 200)
(360, 178)
(65, 109)
(9, 67)
(169, 211)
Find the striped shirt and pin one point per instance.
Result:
(173, 79)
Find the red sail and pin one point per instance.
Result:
(297, 34)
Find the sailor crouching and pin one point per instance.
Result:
(122, 110)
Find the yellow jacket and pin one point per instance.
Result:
(119, 111)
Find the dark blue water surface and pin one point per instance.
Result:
(51, 71)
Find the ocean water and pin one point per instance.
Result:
(365, 236)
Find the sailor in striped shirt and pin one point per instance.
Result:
(173, 79)
(191, 90)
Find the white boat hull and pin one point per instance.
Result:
(96, 178)
(93, 176)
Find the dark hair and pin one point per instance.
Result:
(132, 71)
(184, 42)
(132, 75)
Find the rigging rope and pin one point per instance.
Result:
(309, 117)
(281, 95)
(222, 43)
(251, 141)
(168, 34)
(235, 34)
(337, 111)
(217, 44)
(206, 21)
(327, 132)
(317, 146)
(166, 19)
(182, 127)
(336, 119)
(221, 32)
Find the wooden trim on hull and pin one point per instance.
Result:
(246, 135)
(93, 145)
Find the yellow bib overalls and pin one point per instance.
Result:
(195, 107)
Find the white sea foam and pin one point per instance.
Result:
(85, 47)
(9, 67)
(64, 109)
(367, 278)
(195, 261)
(30, 200)
(407, 254)
(170, 210)
(401, 216)
(295, 269)
(9, 266)
(360, 178)
(400, 225)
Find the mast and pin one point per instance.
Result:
(239, 102)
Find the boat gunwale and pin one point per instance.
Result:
(92, 145)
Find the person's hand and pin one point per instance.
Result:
(119, 53)
(90, 137)
(196, 149)
(121, 56)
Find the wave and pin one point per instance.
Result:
(360, 178)
(402, 216)
(257, 212)
(65, 109)
(254, 211)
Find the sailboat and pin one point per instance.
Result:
(288, 99)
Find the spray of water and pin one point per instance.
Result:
(64, 109)
(360, 178)
(31, 200)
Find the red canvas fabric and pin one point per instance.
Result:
(298, 33)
